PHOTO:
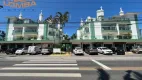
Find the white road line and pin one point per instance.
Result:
(102, 65)
(45, 65)
(40, 68)
(48, 62)
(41, 74)
(54, 60)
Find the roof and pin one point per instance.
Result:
(130, 13)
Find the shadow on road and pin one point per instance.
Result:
(132, 75)
(103, 75)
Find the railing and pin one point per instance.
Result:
(31, 31)
(17, 32)
(25, 25)
(128, 31)
(112, 37)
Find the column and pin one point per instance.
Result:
(8, 46)
(0, 46)
(91, 45)
(24, 45)
(15, 45)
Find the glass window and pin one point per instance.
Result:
(86, 30)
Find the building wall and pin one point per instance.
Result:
(40, 31)
(10, 32)
(98, 30)
(134, 30)
(78, 34)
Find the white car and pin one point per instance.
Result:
(78, 51)
(21, 51)
(104, 50)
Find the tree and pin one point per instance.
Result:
(62, 18)
(73, 36)
(2, 35)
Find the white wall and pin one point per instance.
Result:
(40, 31)
(98, 30)
(134, 30)
(78, 34)
(10, 32)
(117, 27)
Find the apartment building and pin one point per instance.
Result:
(122, 26)
(24, 32)
(120, 30)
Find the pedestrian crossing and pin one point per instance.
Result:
(43, 65)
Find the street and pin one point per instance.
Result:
(70, 68)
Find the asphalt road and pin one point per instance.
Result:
(69, 68)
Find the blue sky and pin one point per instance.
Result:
(78, 9)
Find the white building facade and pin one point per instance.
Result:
(20, 28)
(122, 26)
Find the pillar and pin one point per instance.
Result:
(7, 46)
(24, 45)
(91, 45)
(15, 45)
(124, 46)
(0, 46)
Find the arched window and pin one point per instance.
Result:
(86, 30)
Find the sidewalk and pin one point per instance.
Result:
(61, 54)
(129, 53)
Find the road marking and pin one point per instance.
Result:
(45, 65)
(48, 62)
(40, 68)
(55, 60)
(41, 74)
(102, 65)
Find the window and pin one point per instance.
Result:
(124, 27)
(109, 28)
(51, 33)
(26, 21)
(86, 30)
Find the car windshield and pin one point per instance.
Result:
(104, 48)
(20, 48)
(78, 48)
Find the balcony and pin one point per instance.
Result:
(31, 32)
(125, 31)
(17, 32)
(109, 30)
(25, 25)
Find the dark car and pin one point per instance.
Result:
(11, 51)
(91, 50)
(118, 51)
(46, 51)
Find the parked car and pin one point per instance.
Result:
(104, 50)
(10, 51)
(118, 50)
(46, 51)
(78, 51)
(34, 50)
(21, 51)
(137, 49)
(91, 50)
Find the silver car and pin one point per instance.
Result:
(21, 51)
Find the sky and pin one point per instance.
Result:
(77, 8)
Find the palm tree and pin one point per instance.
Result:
(2, 35)
(62, 18)
(73, 36)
